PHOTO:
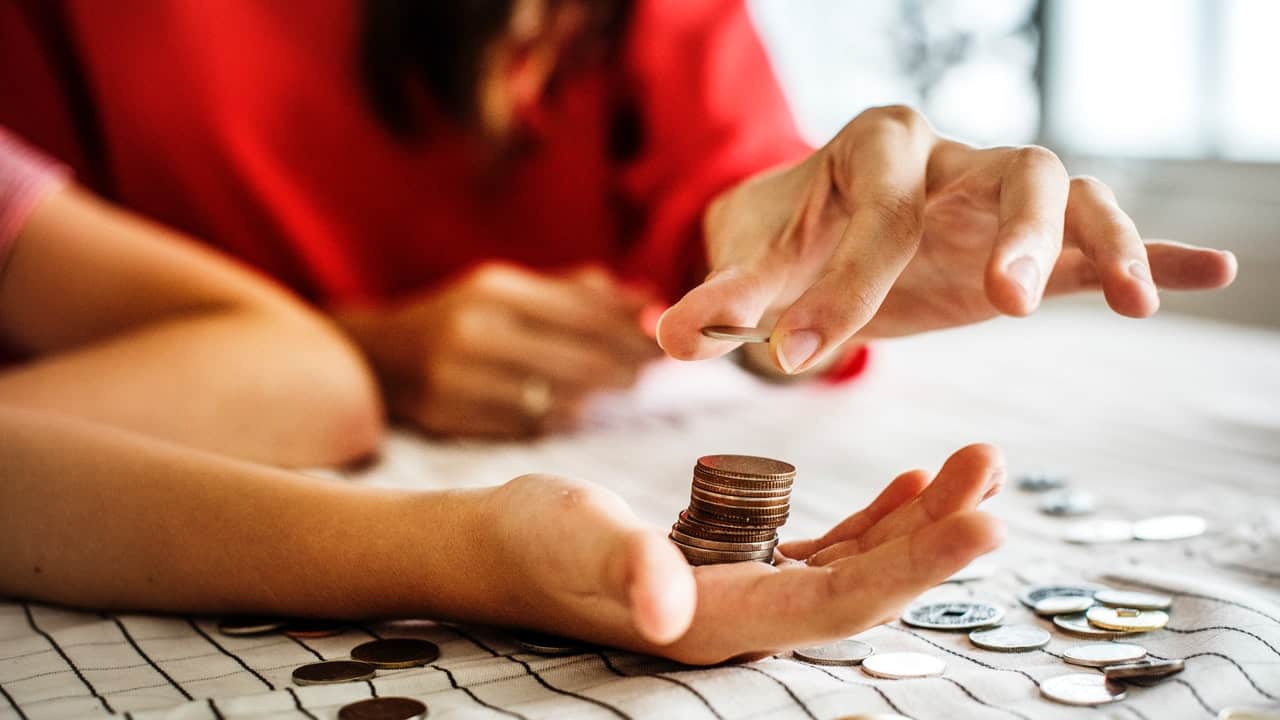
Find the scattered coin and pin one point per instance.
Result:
(1169, 527)
(736, 505)
(396, 652)
(1063, 605)
(333, 671)
(841, 652)
(1010, 638)
(1040, 482)
(953, 615)
(313, 628)
(545, 643)
(1126, 619)
(384, 708)
(976, 570)
(1148, 668)
(902, 665)
(737, 334)
(1068, 502)
(1238, 712)
(1093, 532)
(1103, 654)
(248, 625)
(1081, 689)
(1035, 594)
(1131, 599)
(1078, 624)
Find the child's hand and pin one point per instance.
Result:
(573, 559)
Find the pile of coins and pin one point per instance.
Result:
(736, 506)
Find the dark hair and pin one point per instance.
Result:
(439, 46)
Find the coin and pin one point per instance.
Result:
(705, 544)
(1149, 668)
(1036, 593)
(1237, 712)
(1126, 619)
(1131, 599)
(1103, 654)
(1081, 689)
(736, 504)
(545, 643)
(313, 628)
(1169, 527)
(746, 467)
(396, 652)
(1078, 624)
(384, 708)
(737, 334)
(698, 556)
(840, 652)
(1010, 638)
(774, 521)
(902, 665)
(726, 533)
(1098, 531)
(749, 502)
(249, 625)
(953, 615)
(1068, 502)
(1040, 482)
(1063, 605)
(333, 671)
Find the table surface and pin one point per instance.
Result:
(1169, 415)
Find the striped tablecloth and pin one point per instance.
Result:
(1164, 416)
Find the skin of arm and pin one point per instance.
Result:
(130, 324)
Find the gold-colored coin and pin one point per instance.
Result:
(1127, 619)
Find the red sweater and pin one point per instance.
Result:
(243, 123)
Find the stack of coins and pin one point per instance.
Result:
(736, 506)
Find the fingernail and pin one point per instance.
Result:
(1026, 273)
(657, 328)
(1140, 271)
(797, 348)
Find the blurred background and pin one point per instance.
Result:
(1174, 103)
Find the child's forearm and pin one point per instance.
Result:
(101, 518)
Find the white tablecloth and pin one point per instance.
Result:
(1169, 415)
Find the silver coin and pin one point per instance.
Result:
(1036, 593)
(1131, 599)
(1169, 527)
(696, 555)
(686, 539)
(1148, 668)
(1239, 712)
(1010, 638)
(1078, 624)
(1041, 482)
(1126, 619)
(1063, 605)
(1093, 532)
(737, 334)
(902, 665)
(384, 708)
(1068, 502)
(1081, 689)
(328, 672)
(953, 615)
(1103, 654)
(238, 626)
(545, 643)
(841, 652)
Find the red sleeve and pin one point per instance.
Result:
(711, 114)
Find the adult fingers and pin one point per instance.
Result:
(901, 490)
(1107, 236)
(656, 584)
(1174, 266)
(1033, 197)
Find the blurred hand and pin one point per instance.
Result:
(576, 561)
(506, 352)
(890, 230)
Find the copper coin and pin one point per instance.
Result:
(739, 489)
(732, 533)
(755, 522)
(396, 652)
(749, 467)
(333, 671)
(697, 542)
(313, 628)
(698, 556)
(249, 625)
(739, 501)
(384, 708)
(545, 643)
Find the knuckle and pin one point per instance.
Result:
(902, 115)
(1092, 186)
(1037, 157)
(900, 217)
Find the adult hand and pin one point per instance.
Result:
(506, 352)
(890, 230)
(576, 561)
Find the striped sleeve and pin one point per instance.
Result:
(26, 175)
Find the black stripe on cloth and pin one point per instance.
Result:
(1238, 666)
(1134, 710)
(474, 641)
(1192, 631)
(973, 660)
(12, 704)
(154, 665)
(304, 646)
(796, 698)
(19, 656)
(561, 691)
(297, 703)
(1224, 601)
(980, 701)
(31, 620)
(616, 671)
(1196, 694)
(228, 653)
(213, 708)
(847, 681)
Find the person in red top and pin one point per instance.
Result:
(375, 156)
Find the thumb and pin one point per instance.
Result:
(731, 296)
(656, 585)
